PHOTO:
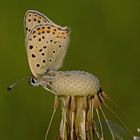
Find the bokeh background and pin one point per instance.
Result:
(105, 40)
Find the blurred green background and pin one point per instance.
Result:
(105, 40)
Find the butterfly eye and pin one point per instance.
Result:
(33, 81)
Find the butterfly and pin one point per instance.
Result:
(46, 43)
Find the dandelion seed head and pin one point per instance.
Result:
(75, 83)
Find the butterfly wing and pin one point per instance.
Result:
(33, 18)
(46, 47)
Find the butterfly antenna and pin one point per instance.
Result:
(17, 82)
(100, 124)
(117, 116)
(11, 86)
(113, 137)
(55, 108)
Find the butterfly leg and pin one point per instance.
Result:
(48, 87)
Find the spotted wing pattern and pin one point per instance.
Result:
(46, 43)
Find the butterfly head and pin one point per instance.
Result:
(33, 81)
